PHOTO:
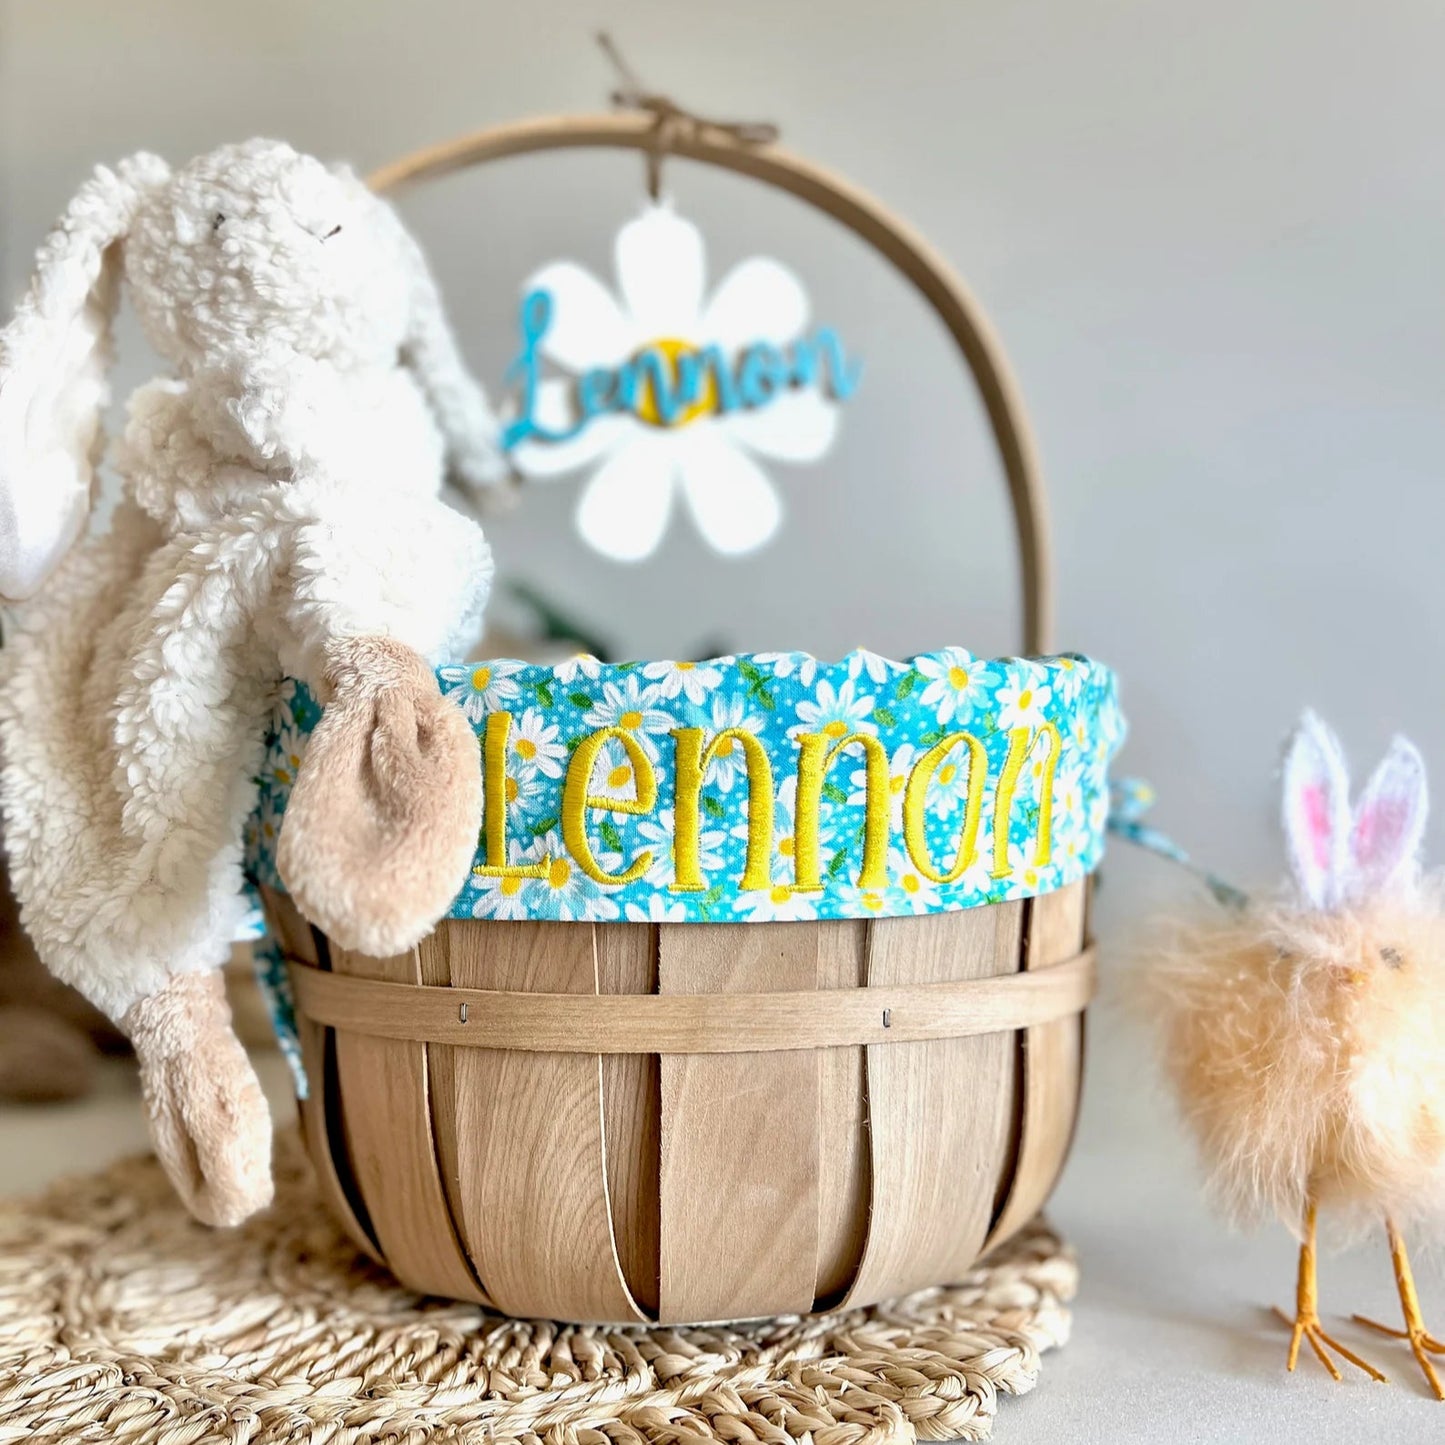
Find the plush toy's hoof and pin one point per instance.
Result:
(381, 826)
(43, 1058)
(209, 1119)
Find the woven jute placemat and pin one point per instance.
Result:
(121, 1320)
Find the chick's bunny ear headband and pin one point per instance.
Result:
(53, 388)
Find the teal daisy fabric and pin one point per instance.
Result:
(1043, 729)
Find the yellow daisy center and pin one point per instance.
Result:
(911, 883)
(947, 773)
(779, 893)
(1026, 697)
(511, 790)
(785, 846)
(631, 720)
(559, 872)
(836, 728)
(511, 885)
(673, 351)
(957, 678)
(619, 775)
(482, 679)
(526, 748)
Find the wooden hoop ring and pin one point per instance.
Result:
(868, 219)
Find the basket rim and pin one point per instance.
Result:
(763, 787)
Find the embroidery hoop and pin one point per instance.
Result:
(864, 215)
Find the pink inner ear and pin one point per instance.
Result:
(1317, 821)
(1379, 826)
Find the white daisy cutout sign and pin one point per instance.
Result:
(664, 389)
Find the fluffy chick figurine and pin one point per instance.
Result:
(279, 516)
(1305, 1036)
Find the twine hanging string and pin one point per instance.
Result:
(672, 122)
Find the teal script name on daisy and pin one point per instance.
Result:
(767, 787)
(670, 382)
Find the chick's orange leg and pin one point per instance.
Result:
(1306, 1323)
(1422, 1343)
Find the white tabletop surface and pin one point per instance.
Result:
(1173, 1340)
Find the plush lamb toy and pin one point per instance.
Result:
(280, 515)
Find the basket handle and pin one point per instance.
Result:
(865, 217)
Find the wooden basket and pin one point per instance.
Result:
(695, 1122)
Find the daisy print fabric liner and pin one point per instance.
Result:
(765, 787)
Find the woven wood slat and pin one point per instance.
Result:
(529, 1142)
(751, 1247)
(386, 1113)
(939, 1110)
(1052, 1059)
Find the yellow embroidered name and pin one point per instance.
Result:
(632, 789)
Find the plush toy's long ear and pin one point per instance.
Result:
(461, 408)
(382, 822)
(1389, 822)
(53, 361)
(1316, 813)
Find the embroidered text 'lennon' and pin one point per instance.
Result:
(694, 750)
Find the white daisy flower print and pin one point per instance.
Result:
(502, 898)
(836, 712)
(631, 706)
(899, 767)
(1022, 704)
(949, 788)
(566, 893)
(778, 904)
(657, 834)
(641, 453)
(537, 745)
(1071, 820)
(657, 911)
(1069, 676)
(692, 680)
(283, 761)
(908, 890)
(486, 687)
(802, 665)
(581, 667)
(729, 764)
(1023, 871)
(880, 670)
(978, 877)
(268, 824)
(613, 775)
(954, 683)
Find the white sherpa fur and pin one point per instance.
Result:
(280, 494)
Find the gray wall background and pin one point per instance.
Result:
(1210, 234)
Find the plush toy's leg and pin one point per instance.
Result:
(209, 1119)
(1422, 1342)
(1306, 1323)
